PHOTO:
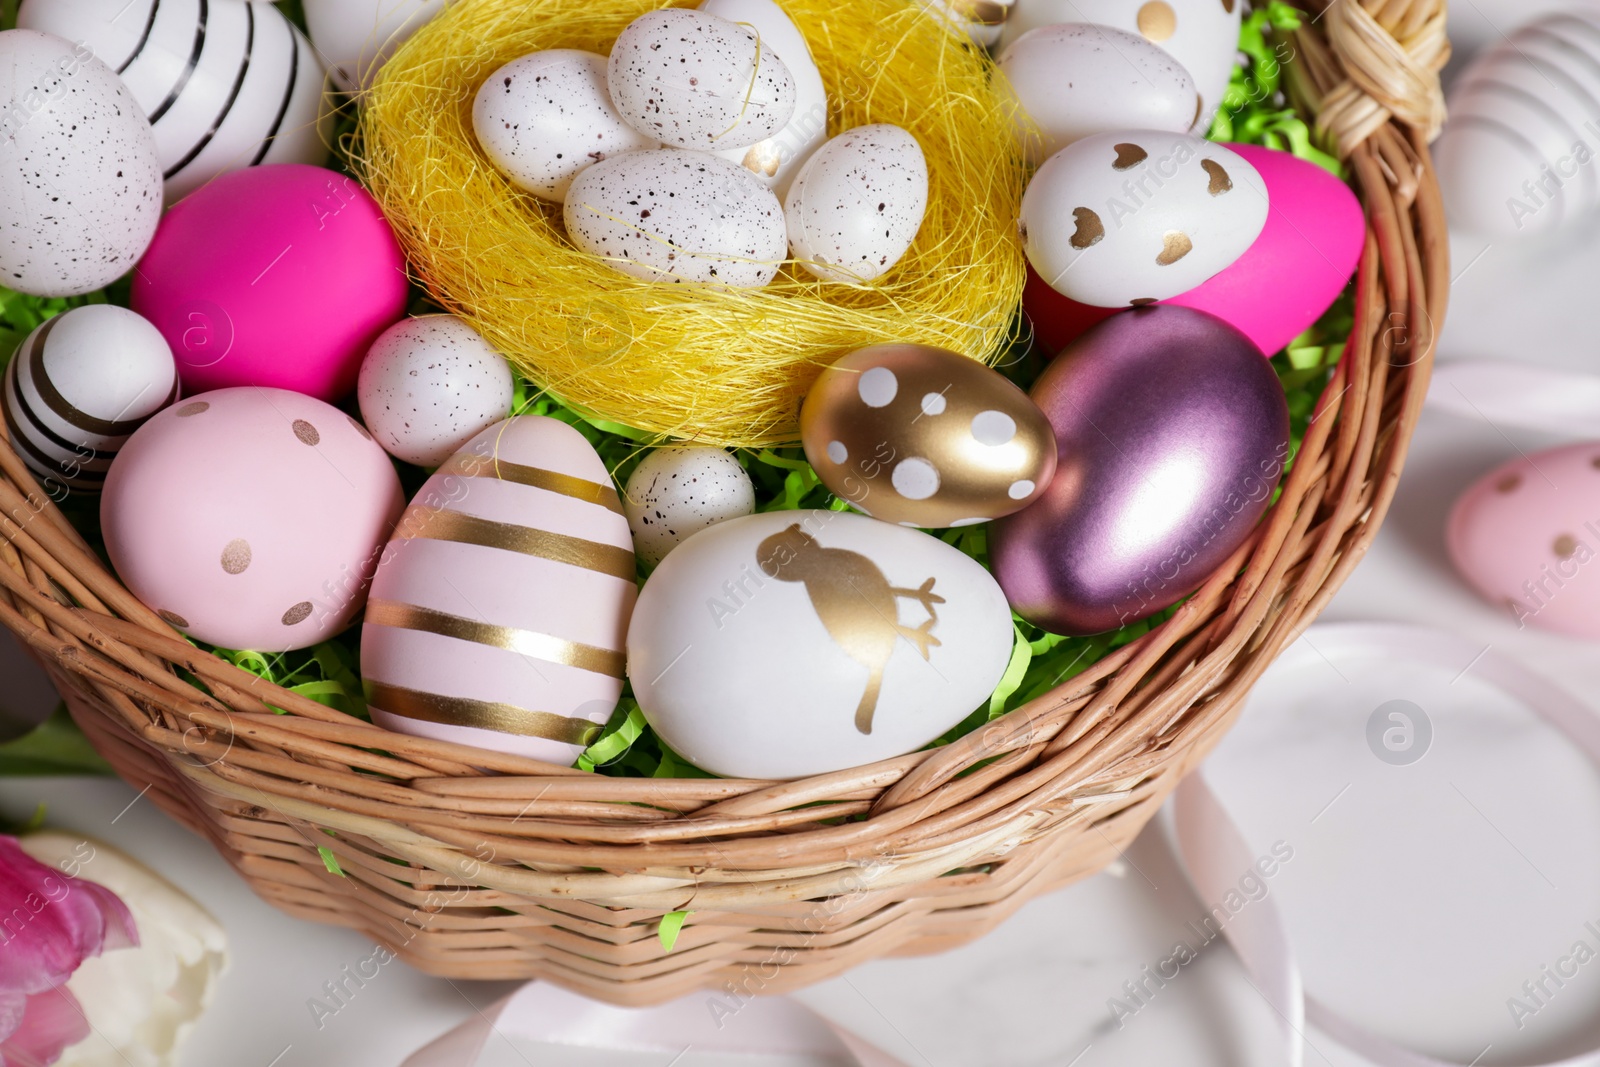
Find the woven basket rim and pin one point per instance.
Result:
(479, 864)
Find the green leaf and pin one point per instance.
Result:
(330, 861)
(671, 926)
(54, 747)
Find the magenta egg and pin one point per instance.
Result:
(1282, 284)
(280, 276)
(1526, 535)
(250, 518)
(1171, 433)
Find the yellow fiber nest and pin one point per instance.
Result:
(721, 365)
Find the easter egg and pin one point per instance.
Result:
(278, 275)
(250, 518)
(225, 85)
(80, 190)
(78, 386)
(856, 205)
(1279, 287)
(1525, 536)
(1129, 218)
(923, 436)
(499, 613)
(1119, 81)
(358, 36)
(1172, 433)
(802, 642)
(1516, 158)
(777, 159)
(676, 216)
(980, 21)
(693, 80)
(545, 117)
(1203, 35)
(675, 492)
(429, 385)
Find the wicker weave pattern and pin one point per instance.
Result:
(476, 865)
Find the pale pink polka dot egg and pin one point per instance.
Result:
(1527, 536)
(250, 517)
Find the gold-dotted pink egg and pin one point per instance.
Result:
(923, 436)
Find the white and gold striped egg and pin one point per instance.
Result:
(499, 614)
(78, 386)
(224, 84)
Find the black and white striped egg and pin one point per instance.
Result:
(857, 204)
(695, 80)
(669, 215)
(80, 188)
(78, 386)
(225, 83)
(1129, 218)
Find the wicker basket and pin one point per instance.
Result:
(475, 865)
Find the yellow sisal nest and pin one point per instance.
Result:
(720, 365)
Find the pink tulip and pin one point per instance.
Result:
(50, 923)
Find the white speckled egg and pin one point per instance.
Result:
(428, 385)
(499, 614)
(801, 642)
(677, 491)
(78, 386)
(1526, 535)
(1129, 218)
(250, 517)
(224, 85)
(1203, 35)
(545, 117)
(695, 80)
(80, 184)
(358, 36)
(675, 216)
(1075, 80)
(856, 206)
(779, 158)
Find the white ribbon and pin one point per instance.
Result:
(1214, 853)
(1518, 394)
(781, 1032)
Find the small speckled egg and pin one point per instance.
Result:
(856, 206)
(80, 185)
(675, 216)
(499, 614)
(251, 517)
(545, 117)
(779, 158)
(1527, 537)
(428, 385)
(359, 36)
(1129, 218)
(1117, 81)
(926, 437)
(1203, 35)
(78, 386)
(676, 492)
(695, 80)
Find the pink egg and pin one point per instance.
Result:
(278, 275)
(1526, 536)
(250, 518)
(1282, 284)
(500, 612)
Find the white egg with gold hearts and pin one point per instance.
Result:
(796, 643)
(1132, 217)
(499, 610)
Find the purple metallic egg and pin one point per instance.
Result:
(1171, 431)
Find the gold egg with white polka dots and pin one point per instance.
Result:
(926, 437)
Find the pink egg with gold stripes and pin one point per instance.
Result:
(499, 613)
